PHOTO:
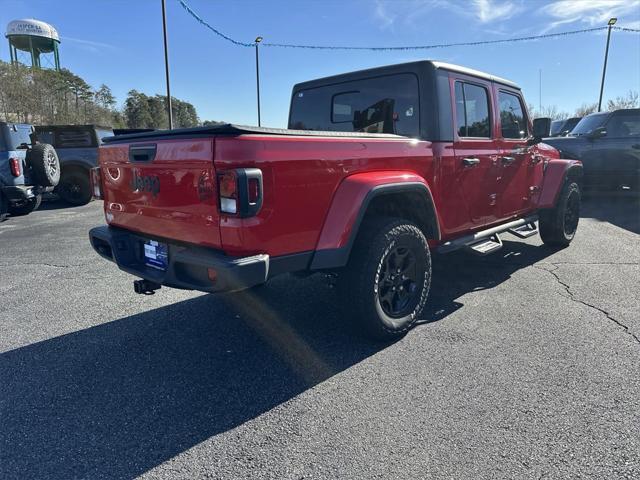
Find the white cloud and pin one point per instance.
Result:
(593, 12)
(89, 45)
(389, 13)
(491, 10)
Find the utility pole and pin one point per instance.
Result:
(540, 92)
(166, 64)
(258, 40)
(612, 22)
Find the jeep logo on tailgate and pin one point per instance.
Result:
(145, 183)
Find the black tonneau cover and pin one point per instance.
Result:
(231, 129)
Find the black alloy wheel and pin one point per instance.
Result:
(397, 288)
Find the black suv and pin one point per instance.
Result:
(608, 143)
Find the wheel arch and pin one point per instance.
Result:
(69, 166)
(556, 173)
(395, 194)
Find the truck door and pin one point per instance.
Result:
(521, 170)
(475, 149)
(614, 158)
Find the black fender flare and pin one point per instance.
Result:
(338, 257)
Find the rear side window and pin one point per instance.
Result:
(74, 139)
(472, 111)
(513, 121)
(622, 125)
(45, 136)
(388, 104)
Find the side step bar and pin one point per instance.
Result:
(525, 231)
(475, 239)
(487, 245)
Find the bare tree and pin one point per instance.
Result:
(630, 100)
(585, 109)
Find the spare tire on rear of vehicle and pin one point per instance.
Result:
(44, 163)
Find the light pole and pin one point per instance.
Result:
(612, 22)
(166, 64)
(258, 40)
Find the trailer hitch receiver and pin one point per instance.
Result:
(145, 287)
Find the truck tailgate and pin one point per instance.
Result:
(162, 188)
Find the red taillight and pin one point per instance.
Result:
(240, 191)
(14, 165)
(228, 192)
(254, 190)
(96, 183)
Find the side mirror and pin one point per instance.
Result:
(597, 133)
(541, 129)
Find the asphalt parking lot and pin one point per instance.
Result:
(527, 366)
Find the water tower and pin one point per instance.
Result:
(35, 37)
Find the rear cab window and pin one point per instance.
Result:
(473, 112)
(513, 119)
(386, 104)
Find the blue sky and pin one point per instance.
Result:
(119, 42)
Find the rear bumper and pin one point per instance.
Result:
(188, 264)
(22, 193)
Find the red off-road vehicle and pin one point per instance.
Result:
(379, 169)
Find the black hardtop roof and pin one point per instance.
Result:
(232, 129)
(18, 124)
(88, 125)
(609, 112)
(402, 68)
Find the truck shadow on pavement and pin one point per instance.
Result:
(120, 398)
(620, 210)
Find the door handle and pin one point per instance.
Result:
(507, 160)
(470, 161)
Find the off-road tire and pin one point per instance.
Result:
(74, 188)
(366, 279)
(4, 207)
(45, 166)
(558, 225)
(26, 208)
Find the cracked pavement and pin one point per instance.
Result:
(526, 365)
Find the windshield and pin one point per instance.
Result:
(589, 123)
(556, 126)
(570, 124)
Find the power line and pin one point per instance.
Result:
(412, 47)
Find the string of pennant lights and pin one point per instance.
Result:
(200, 20)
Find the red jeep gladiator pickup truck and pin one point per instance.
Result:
(378, 169)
